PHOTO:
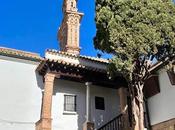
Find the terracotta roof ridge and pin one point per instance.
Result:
(19, 53)
(81, 56)
(73, 64)
(16, 50)
(64, 62)
(95, 58)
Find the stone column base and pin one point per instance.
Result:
(88, 126)
(44, 124)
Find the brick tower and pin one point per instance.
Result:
(68, 34)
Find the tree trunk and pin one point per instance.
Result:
(136, 116)
(141, 117)
(138, 108)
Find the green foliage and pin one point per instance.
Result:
(133, 28)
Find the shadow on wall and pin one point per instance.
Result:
(40, 80)
(40, 84)
(62, 87)
(74, 121)
(81, 117)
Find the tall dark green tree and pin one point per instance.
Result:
(136, 32)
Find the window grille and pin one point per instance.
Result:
(70, 103)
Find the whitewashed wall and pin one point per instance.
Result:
(162, 105)
(67, 121)
(20, 94)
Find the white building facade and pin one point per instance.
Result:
(161, 105)
(64, 90)
(22, 92)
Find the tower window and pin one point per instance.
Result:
(72, 4)
(70, 103)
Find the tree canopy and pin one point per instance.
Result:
(132, 29)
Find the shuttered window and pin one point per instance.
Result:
(70, 103)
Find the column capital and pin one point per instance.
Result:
(49, 77)
(88, 83)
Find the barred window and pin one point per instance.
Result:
(70, 103)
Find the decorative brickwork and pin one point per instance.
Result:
(70, 5)
(45, 123)
(167, 125)
(68, 34)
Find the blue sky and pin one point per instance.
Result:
(32, 25)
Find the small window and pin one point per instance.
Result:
(70, 103)
(99, 103)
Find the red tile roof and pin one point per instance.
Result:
(20, 54)
(93, 59)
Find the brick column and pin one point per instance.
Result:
(122, 92)
(123, 99)
(45, 123)
(88, 126)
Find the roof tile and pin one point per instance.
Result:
(20, 54)
(94, 59)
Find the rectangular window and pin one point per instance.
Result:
(70, 103)
(99, 103)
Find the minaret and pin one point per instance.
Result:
(69, 31)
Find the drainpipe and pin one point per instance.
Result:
(88, 102)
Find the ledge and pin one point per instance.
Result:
(69, 113)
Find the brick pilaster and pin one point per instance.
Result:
(45, 123)
(122, 92)
(88, 126)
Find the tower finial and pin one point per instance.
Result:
(70, 5)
